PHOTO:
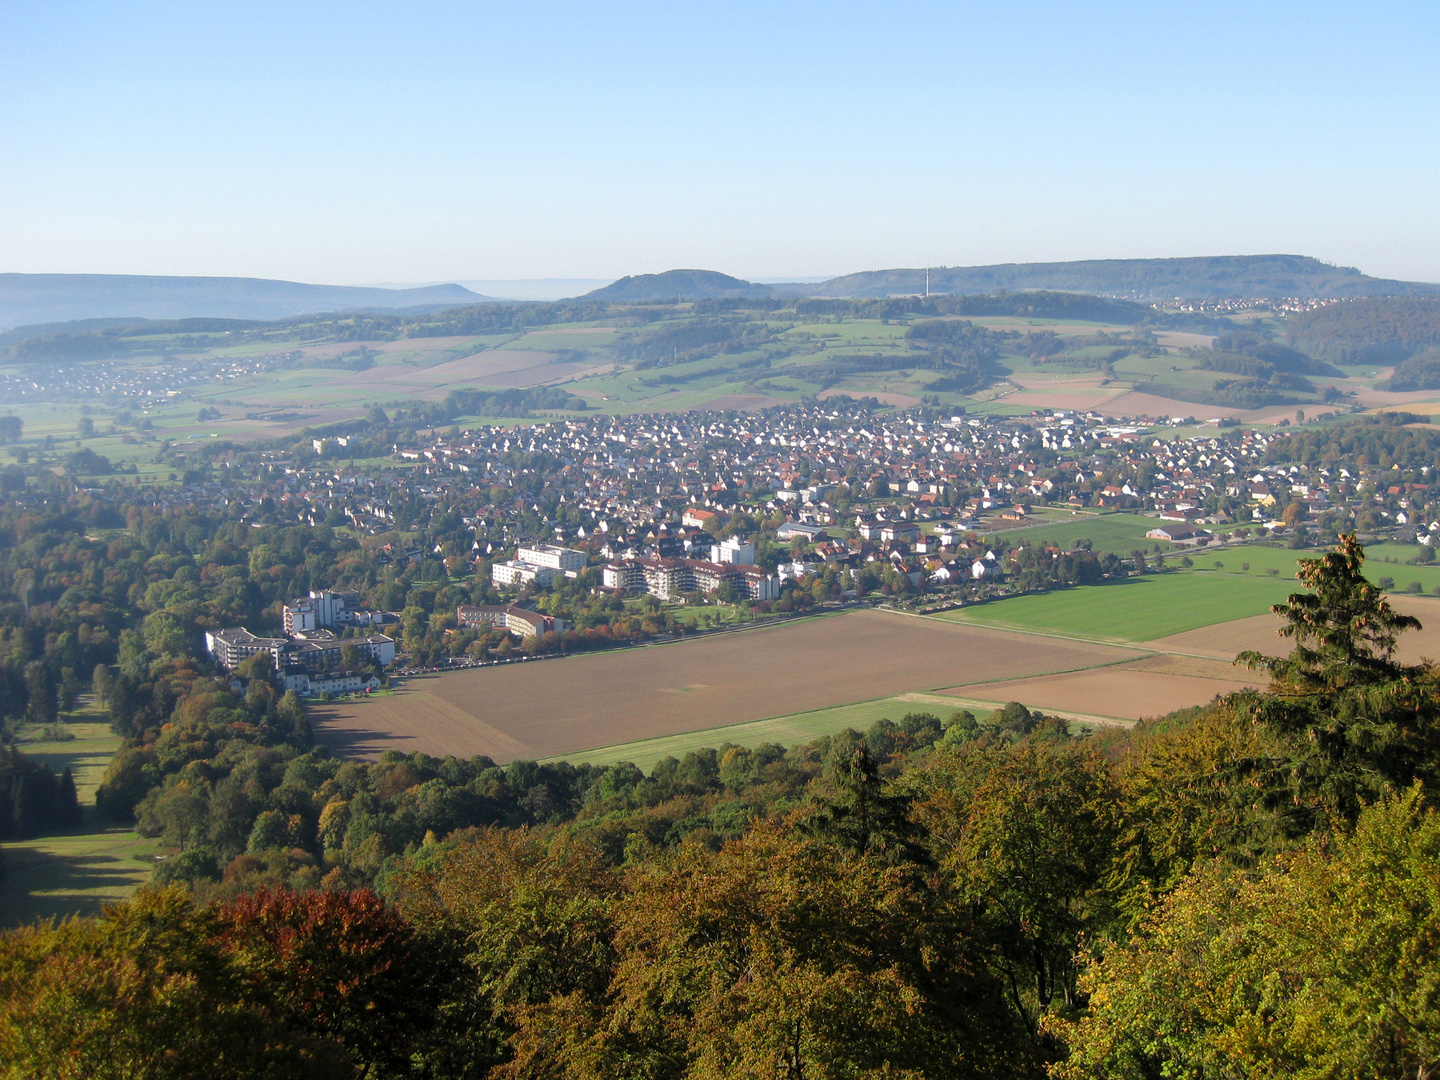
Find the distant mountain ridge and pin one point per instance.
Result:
(680, 285)
(1210, 277)
(30, 299)
(54, 298)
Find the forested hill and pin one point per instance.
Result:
(1380, 331)
(1207, 277)
(681, 285)
(26, 299)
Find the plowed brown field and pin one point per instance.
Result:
(542, 709)
(1153, 686)
(1224, 640)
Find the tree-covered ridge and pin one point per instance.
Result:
(1270, 276)
(1418, 372)
(1366, 442)
(43, 298)
(1383, 330)
(679, 285)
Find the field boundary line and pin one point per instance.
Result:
(1137, 646)
(728, 727)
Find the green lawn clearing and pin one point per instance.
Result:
(77, 872)
(1137, 609)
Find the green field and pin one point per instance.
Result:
(1381, 560)
(1120, 533)
(79, 871)
(1136, 609)
(794, 730)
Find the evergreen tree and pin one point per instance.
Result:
(1356, 721)
(67, 801)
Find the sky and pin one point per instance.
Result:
(427, 141)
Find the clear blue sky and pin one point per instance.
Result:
(382, 141)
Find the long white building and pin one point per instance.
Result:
(552, 556)
(514, 573)
(668, 578)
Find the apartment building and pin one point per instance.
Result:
(669, 578)
(233, 646)
(514, 573)
(516, 620)
(552, 556)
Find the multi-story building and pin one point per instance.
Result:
(514, 573)
(668, 578)
(307, 684)
(321, 611)
(552, 556)
(733, 551)
(515, 619)
(233, 646)
(317, 650)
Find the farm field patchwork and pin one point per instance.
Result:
(776, 683)
(549, 708)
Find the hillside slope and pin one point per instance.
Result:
(679, 284)
(1208, 277)
(51, 298)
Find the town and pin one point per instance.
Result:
(828, 502)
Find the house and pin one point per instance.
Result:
(1179, 514)
(697, 518)
(906, 531)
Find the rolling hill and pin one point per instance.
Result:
(681, 285)
(1207, 277)
(26, 299)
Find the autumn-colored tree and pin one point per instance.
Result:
(1214, 786)
(1025, 834)
(528, 923)
(1321, 965)
(780, 957)
(143, 993)
(340, 966)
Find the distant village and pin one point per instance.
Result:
(737, 505)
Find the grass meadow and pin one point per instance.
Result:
(1119, 533)
(1136, 609)
(79, 871)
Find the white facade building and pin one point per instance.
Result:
(552, 556)
(733, 552)
(514, 573)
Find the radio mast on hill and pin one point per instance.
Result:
(927, 283)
